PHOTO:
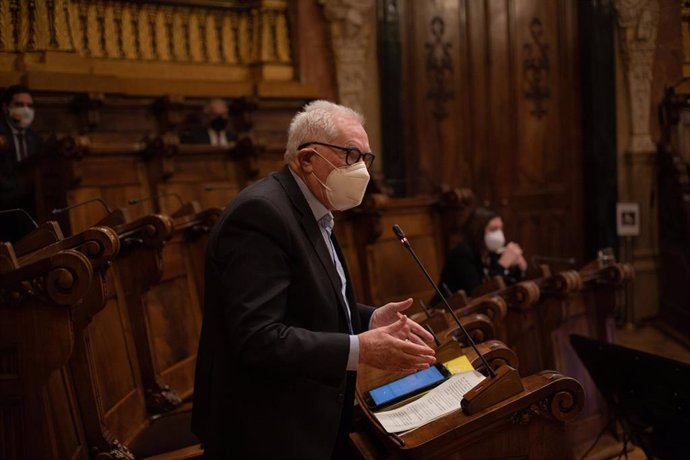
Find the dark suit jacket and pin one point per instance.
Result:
(200, 136)
(270, 377)
(16, 182)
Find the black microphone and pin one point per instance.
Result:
(82, 203)
(403, 239)
(162, 195)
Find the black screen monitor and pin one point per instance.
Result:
(650, 394)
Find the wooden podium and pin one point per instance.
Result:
(530, 424)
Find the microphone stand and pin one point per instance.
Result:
(500, 384)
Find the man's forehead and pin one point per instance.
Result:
(22, 97)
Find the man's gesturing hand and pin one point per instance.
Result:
(390, 313)
(392, 348)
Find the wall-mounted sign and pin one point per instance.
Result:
(628, 219)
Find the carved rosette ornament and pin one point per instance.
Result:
(637, 28)
(350, 31)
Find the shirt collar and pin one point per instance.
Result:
(15, 130)
(317, 208)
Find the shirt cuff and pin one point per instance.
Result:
(353, 357)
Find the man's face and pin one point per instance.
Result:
(21, 100)
(20, 109)
(352, 134)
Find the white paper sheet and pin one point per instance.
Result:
(438, 402)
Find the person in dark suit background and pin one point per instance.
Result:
(19, 145)
(481, 255)
(215, 129)
(282, 334)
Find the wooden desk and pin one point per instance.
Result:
(530, 424)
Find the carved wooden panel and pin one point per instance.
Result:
(174, 317)
(491, 91)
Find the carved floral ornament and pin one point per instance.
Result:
(536, 69)
(439, 66)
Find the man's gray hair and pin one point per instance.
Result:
(317, 122)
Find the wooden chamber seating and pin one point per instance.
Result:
(544, 312)
(117, 394)
(40, 414)
(156, 175)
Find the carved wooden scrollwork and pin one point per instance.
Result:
(522, 295)
(494, 308)
(565, 282)
(439, 65)
(496, 354)
(535, 68)
(152, 230)
(563, 403)
(61, 279)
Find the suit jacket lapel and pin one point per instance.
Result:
(313, 233)
(354, 315)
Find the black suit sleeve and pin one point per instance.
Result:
(255, 255)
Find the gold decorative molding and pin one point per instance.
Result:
(685, 37)
(230, 41)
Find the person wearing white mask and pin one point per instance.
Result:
(282, 334)
(19, 143)
(216, 130)
(481, 255)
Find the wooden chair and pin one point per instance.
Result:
(206, 174)
(105, 367)
(41, 417)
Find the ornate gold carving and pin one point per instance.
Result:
(244, 36)
(16, 26)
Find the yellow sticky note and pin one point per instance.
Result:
(457, 365)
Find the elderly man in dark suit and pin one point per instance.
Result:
(18, 145)
(283, 334)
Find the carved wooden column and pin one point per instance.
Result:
(350, 33)
(637, 37)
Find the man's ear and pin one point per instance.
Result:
(304, 157)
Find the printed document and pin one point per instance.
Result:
(438, 402)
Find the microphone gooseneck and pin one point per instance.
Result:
(82, 203)
(161, 195)
(403, 239)
(22, 212)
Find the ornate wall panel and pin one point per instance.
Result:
(492, 105)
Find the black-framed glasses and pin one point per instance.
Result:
(352, 154)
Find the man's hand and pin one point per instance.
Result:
(390, 313)
(395, 347)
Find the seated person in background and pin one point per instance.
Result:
(482, 255)
(215, 130)
(18, 144)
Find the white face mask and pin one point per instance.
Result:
(345, 186)
(22, 116)
(494, 240)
